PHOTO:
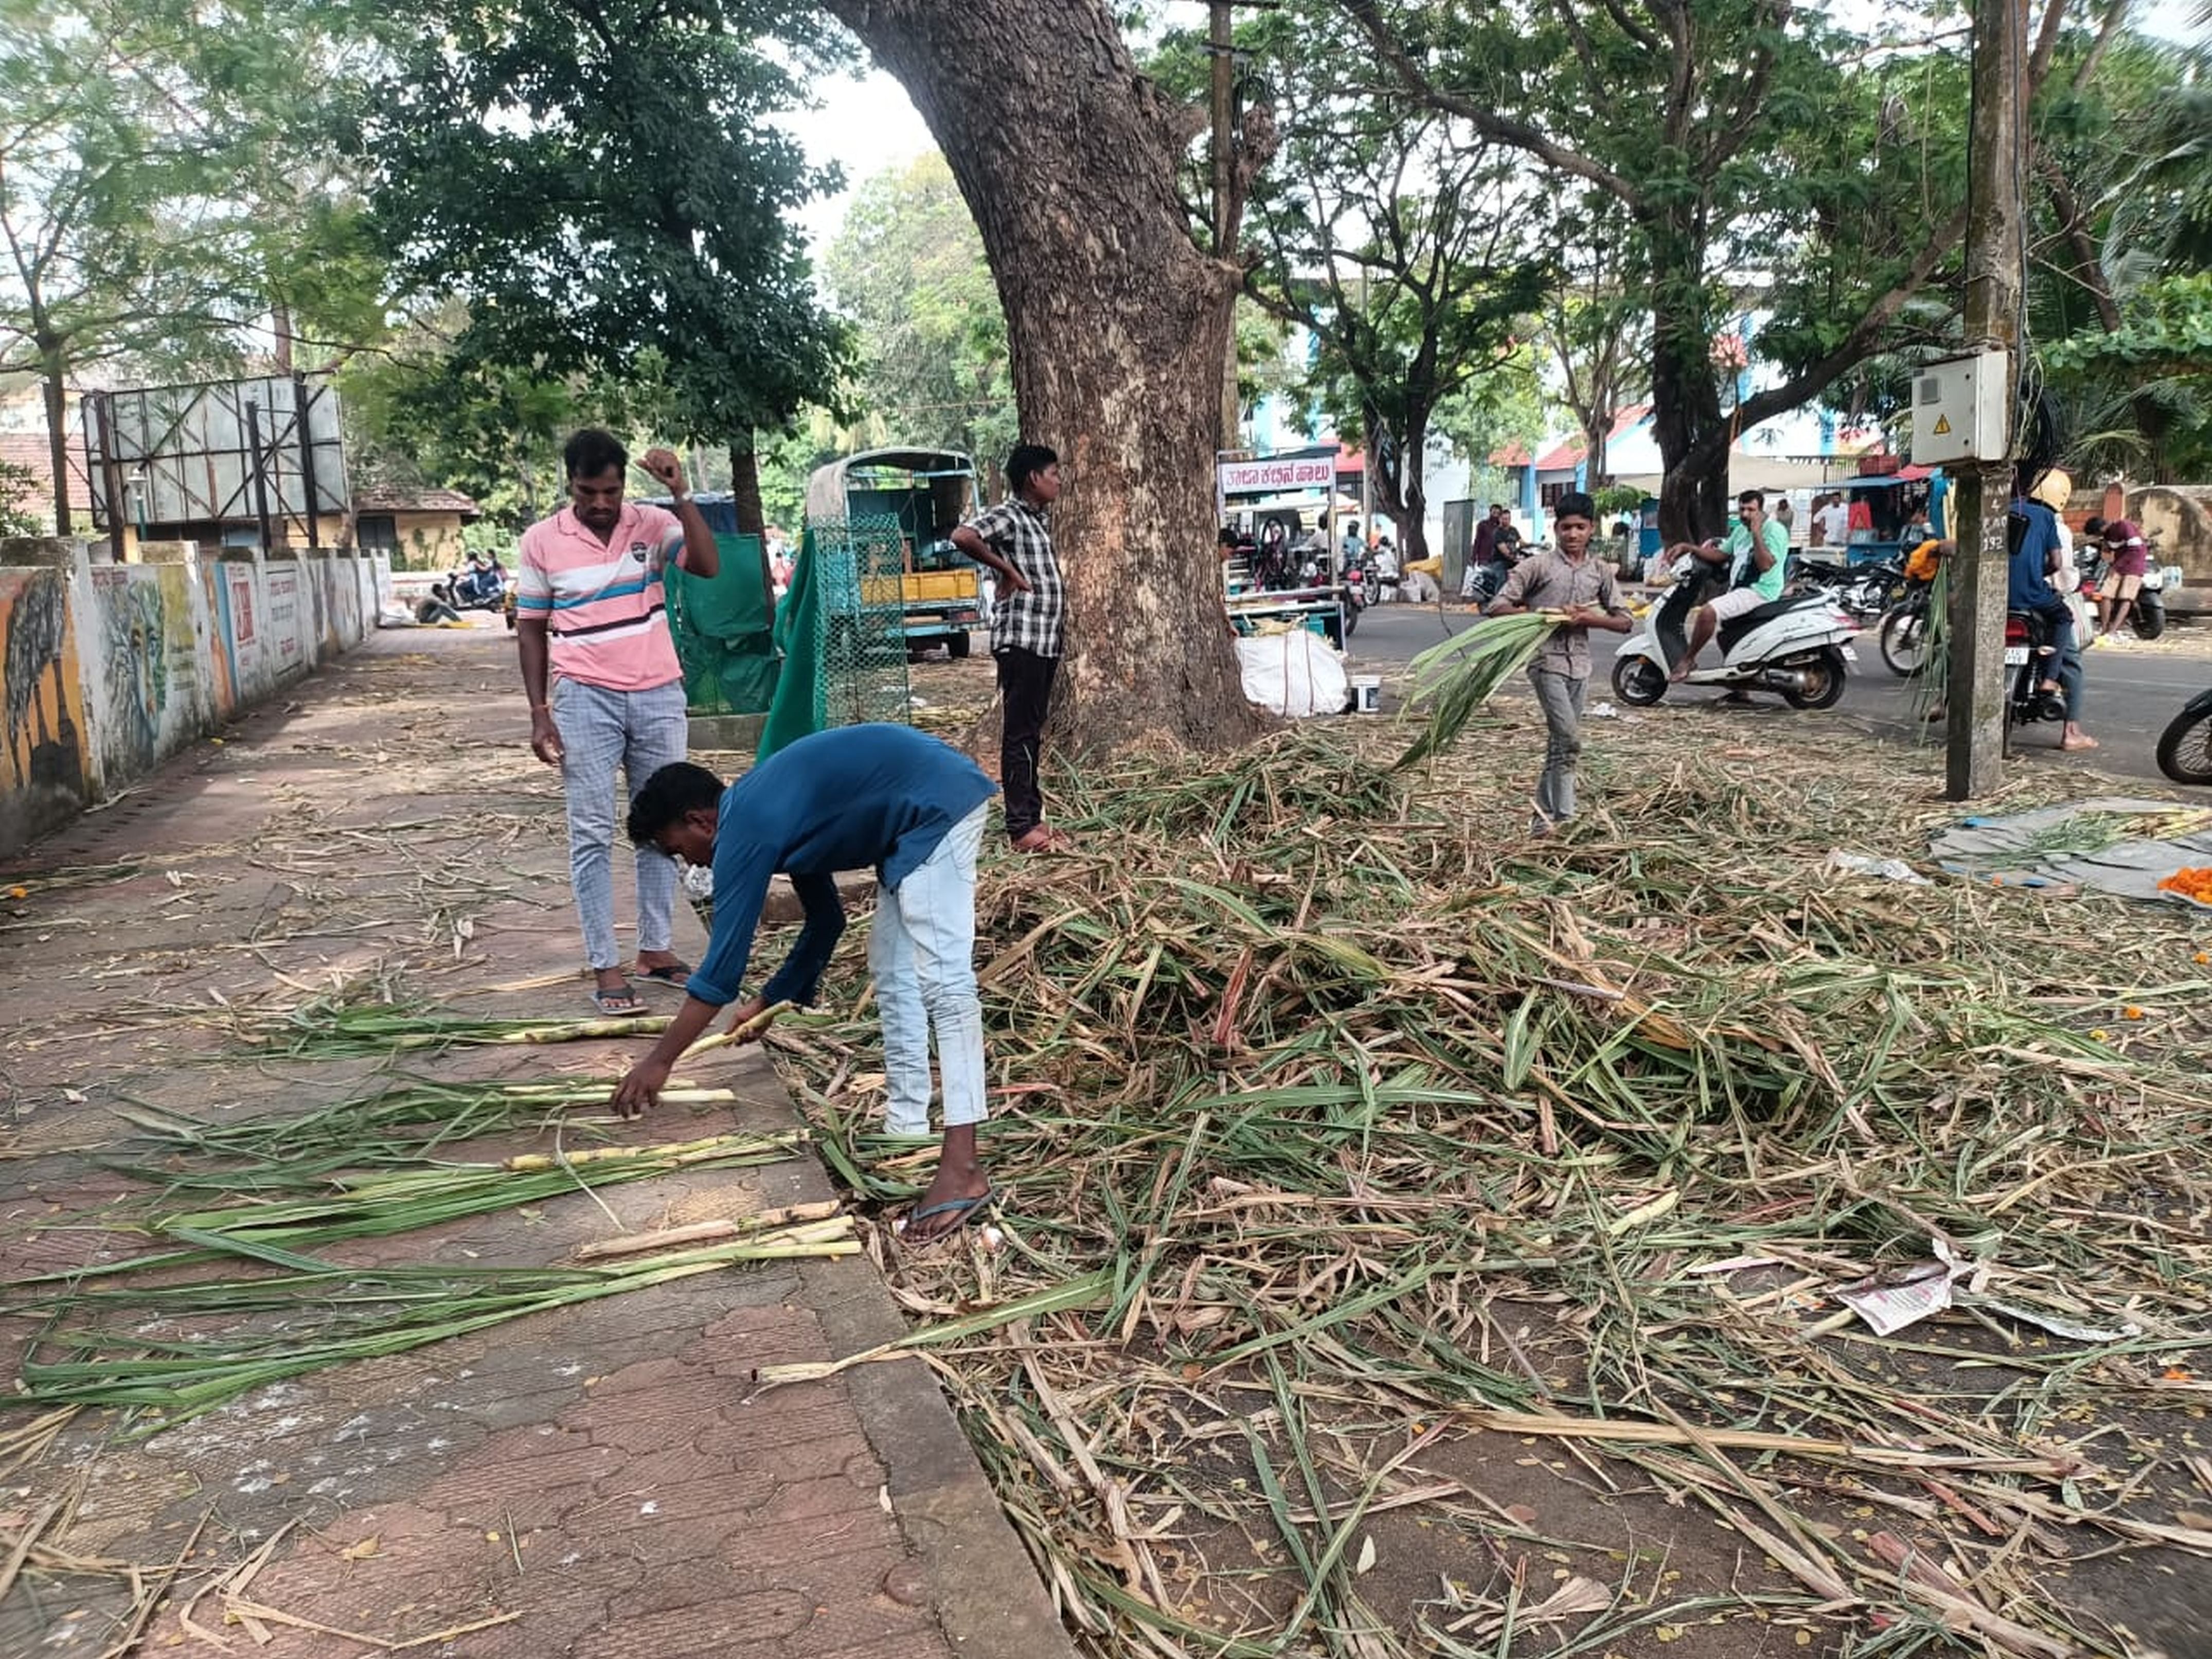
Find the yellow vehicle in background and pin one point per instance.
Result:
(930, 492)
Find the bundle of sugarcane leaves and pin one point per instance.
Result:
(265, 1194)
(172, 1350)
(1444, 1234)
(358, 1022)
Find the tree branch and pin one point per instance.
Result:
(2080, 246)
(1584, 50)
(2116, 15)
(1847, 354)
(1517, 134)
(1629, 27)
(1753, 88)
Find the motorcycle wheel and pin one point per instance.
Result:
(1827, 673)
(1637, 680)
(1904, 640)
(2184, 749)
(2149, 624)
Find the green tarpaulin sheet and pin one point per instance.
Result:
(796, 710)
(722, 627)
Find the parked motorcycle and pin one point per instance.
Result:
(2030, 657)
(1354, 579)
(1901, 635)
(1799, 646)
(2148, 615)
(471, 586)
(2184, 748)
(1863, 591)
(1482, 583)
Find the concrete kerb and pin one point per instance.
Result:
(988, 1596)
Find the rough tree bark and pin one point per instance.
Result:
(745, 486)
(1117, 326)
(54, 373)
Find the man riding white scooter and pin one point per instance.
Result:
(1800, 647)
(1759, 552)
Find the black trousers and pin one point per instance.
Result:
(1025, 684)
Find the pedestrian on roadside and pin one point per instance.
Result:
(2127, 556)
(590, 612)
(1014, 541)
(1566, 579)
(1833, 523)
(875, 797)
(1786, 515)
(1485, 534)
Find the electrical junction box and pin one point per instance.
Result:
(1962, 409)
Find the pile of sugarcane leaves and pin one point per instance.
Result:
(217, 1278)
(1420, 1241)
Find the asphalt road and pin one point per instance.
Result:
(2133, 689)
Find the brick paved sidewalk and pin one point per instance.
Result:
(604, 1482)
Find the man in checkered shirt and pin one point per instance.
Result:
(1014, 542)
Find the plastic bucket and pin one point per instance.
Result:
(1367, 694)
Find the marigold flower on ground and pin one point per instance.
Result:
(2194, 883)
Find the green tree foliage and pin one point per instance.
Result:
(1744, 144)
(1392, 238)
(598, 181)
(908, 269)
(120, 247)
(1597, 329)
(1503, 406)
(2122, 227)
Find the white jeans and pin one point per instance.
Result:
(921, 950)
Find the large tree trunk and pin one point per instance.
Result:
(280, 327)
(1408, 508)
(1687, 422)
(745, 485)
(1118, 327)
(57, 390)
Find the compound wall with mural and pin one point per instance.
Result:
(111, 669)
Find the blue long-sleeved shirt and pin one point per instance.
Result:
(855, 798)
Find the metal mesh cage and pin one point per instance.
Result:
(860, 621)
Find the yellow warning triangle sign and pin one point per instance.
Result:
(1942, 426)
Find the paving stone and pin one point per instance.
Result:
(509, 1469)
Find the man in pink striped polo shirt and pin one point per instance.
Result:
(590, 610)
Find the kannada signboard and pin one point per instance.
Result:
(1276, 475)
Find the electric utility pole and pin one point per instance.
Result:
(1974, 753)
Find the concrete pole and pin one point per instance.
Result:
(1221, 44)
(1974, 753)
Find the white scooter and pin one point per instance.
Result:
(1798, 645)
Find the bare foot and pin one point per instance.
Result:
(2079, 740)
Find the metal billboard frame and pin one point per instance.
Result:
(264, 451)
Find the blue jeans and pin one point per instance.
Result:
(639, 732)
(922, 950)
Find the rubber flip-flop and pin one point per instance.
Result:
(674, 974)
(621, 1003)
(963, 1208)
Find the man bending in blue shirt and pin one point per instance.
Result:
(856, 798)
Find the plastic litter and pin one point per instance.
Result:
(1862, 864)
